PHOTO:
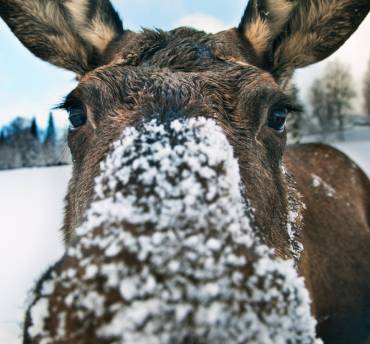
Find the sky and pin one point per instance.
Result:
(30, 87)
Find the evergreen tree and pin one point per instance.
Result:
(33, 157)
(6, 156)
(34, 128)
(2, 136)
(20, 145)
(51, 144)
(50, 129)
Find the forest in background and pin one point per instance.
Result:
(24, 144)
(327, 116)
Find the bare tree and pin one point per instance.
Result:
(331, 98)
(367, 91)
(296, 120)
(339, 92)
(320, 112)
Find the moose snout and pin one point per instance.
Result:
(166, 117)
(169, 108)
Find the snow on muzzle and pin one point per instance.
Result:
(168, 235)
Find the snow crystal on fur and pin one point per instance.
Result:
(167, 253)
(317, 182)
(295, 215)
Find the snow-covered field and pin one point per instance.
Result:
(359, 151)
(31, 209)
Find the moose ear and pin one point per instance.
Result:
(71, 34)
(290, 34)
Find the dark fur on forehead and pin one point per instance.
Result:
(130, 87)
(179, 49)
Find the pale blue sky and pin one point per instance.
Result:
(30, 87)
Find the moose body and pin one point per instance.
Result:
(336, 214)
(309, 196)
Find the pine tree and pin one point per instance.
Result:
(50, 129)
(34, 128)
(33, 156)
(6, 158)
(50, 143)
(20, 145)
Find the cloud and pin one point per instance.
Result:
(203, 22)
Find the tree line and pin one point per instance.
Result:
(24, 144)
(330, 105)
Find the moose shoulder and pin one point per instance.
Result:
(335, 238)
(186, 211)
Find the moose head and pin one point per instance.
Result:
(237, 78)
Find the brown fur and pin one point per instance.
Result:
(304, 33)
(71, 34)
(234, 76)
(263, 21)
(336, 240)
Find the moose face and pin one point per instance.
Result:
(188, 75)
(236, 77)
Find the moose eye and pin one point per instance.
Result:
(77, 117)
(277, 118)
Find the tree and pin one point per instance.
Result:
(34, 128)
(320, 111)
(17, 143)
(339, 92)
(50, 143)
(33, 156)
(296, 120)
(2, 136)
(20, 145)
(331, 98)
(367, 91)
(50, 129)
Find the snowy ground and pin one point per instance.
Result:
(359, 151)
(31, 203)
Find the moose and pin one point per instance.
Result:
(188, 219)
